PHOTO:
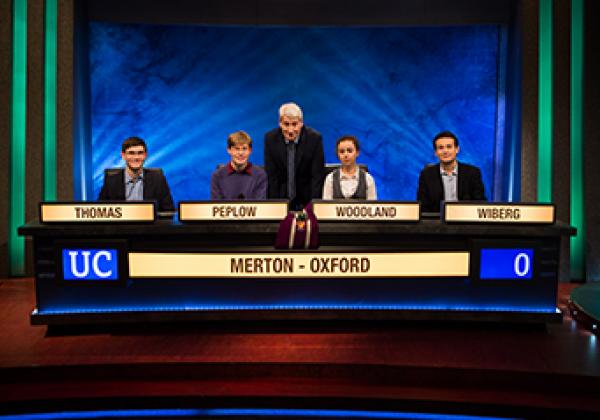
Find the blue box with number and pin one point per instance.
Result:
(506, 264)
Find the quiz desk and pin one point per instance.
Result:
(170, 271)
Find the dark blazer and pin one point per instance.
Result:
(309, 166)
(431, 187)
(155, 187)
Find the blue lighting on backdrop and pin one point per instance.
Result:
(185, 88)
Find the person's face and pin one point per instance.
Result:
(291, 127)
(445, 150)
(347, 152)
(134, 157)
(239, 154)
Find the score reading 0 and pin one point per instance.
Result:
(506, 264)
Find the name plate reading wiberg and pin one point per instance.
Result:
(299, 265)
(345, 211)
(204, 211)
(96, 212)
(507, 213)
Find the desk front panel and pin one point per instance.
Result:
(193, 271)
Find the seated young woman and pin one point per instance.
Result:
(349, 181)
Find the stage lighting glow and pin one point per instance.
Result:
(18, 138)
(208, 308)
(243, 412)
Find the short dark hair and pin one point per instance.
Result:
(347, 137)
(443, 134)
(132, 142)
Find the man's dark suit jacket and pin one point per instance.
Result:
(309, 166)
(431, 187)
(155, 187)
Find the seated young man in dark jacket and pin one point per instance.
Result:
(134, 182)
(448, 180)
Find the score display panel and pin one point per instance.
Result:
(501, 275)
(506, 263)
(508, 260)
(93, 264)
(523, 273)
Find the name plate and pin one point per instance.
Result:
(508, 213)
(350, 211)
(204, 211)
(97, 212)
(299, 265)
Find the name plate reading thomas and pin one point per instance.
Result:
(299, 265)
(507, 213)
(97, 212)
(374, 211)
(204, 211)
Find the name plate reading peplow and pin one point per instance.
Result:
(507, 213)
(347, 211)
(299, 265)
(204, 211)
(97, 212)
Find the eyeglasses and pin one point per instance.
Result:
(135, 152)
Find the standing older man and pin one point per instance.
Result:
(294, 159)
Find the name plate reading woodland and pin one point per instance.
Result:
(299, 265)
(96, 212)
(376, 211)
(204, 211)
(508, 213)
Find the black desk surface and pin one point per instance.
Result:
(168, 227)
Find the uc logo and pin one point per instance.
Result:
(90, 264)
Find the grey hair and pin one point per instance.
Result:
(290, 110)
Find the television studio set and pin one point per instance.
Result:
(299, 209)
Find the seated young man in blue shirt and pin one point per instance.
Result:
(449, 180)
(239, 179)
(135, 182)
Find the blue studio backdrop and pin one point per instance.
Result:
(185, 88)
